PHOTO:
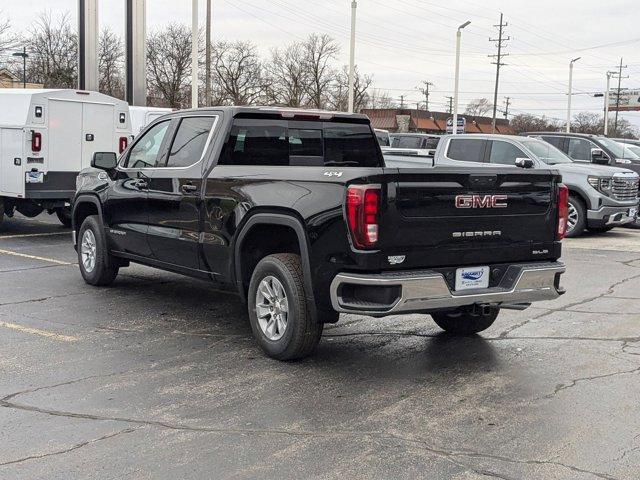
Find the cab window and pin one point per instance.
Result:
(466, 149)
(580, 149)
(145, 152)
(189, 142)
(505, 153)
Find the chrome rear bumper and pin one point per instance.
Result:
(426, 291)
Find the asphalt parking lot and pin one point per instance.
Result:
(159, 377)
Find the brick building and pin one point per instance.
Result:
(412, 120)
(8, 80)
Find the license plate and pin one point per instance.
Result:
(633, 212)
(35, 177)
(469, 278)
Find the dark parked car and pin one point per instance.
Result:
(591, 149)
(296, 212)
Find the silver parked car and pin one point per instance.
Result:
(601, 197)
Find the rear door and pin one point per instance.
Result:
(11, 176)
(98, 130)
(476, 215)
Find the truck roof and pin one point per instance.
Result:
(285, 112)
(17, 101)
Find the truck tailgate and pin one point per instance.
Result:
(454, 216)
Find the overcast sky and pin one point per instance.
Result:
(403, 42)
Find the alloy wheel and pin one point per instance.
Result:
(88, 251)
(272, 308)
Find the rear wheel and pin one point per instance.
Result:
(64, 215)
(577, 219)
(278, 309)
(466, 321)
(97, 266)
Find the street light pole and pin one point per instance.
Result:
(194, 54)
(606, 105)
(24, 56)
(352, 56)
(569, 99)
(457, 77)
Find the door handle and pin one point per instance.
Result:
(189, 188)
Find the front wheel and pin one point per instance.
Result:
(465, 321)
(97, 266)
(278, 310)
(577, 218)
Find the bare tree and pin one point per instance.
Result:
(478, 107)
(339, 99)
(8, 39)
(53, 56)
(111, 54)
(525, 122)
(380, 99)
(287, 76)
(238, 72)
(320, 52)
(169, 66)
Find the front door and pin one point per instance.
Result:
(175, 194)
(126, 208)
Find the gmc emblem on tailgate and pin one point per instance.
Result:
(481, 201)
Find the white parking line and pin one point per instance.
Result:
(26, 235)
(37, 331)
(35, 257)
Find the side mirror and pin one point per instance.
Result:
(524, 163)
(104, 160)
(598, 156)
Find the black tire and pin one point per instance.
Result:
(1, 211)
(64, 215)
(302, 333)
(465, 321)
(600, 229)
(581, 217)
(105, 269)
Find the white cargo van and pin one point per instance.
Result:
(46, 138)
(143, 116)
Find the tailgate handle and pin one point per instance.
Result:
(483, 180)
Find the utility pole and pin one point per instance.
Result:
(450, 111)
(506, 106)
(401, 101)
(352, 56)
(425, 91)
(498, 63)
(615, 124)
(207, 61)
(194, 54)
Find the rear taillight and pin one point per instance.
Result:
(363, 208)
(563, 210)
(36, 141)
(123, 144)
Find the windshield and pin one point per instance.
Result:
(618, 150)
(546, 152)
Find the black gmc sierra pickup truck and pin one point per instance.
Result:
(296, 212)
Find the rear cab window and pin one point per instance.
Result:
(466, 149)
(275, 142)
